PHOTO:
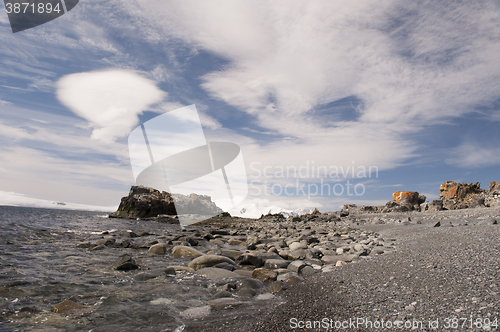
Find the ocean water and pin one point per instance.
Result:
(41, 265)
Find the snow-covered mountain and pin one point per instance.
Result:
(16, 199)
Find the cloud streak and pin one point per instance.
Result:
(412, 65)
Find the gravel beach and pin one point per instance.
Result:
(356, 271)
(437, 278)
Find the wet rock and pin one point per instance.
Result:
(106, 241)
(276, 264)
(143, 243)
(131, 234)
(233, 254)
(209, 261)
(246, 292)
(222, 294)
(216, 273)
(181, 268)
(226, 266)
(227, 287)
(122, 243)
(245, 273)
(290, 278)
(125, 263)
(264, 275)
(183, 251)
(235, 242)
(225, 302)
(99, 247)
(248, 259)
(196, 312)
(85, 245)
(190, 240)
(159, 249)
(249, 283)
(67, 306)
(296, 266)
(276, 286)
(147, 275)
(307, 271)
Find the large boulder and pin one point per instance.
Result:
(494, 188)
(404, 201)
(461, 195)
(459, 191)
(209, 261)
(143, 202)
(409, 198)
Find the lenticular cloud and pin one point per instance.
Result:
(110, 100)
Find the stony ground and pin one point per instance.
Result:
(438, 278)
(435, 271)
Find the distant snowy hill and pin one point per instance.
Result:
(15, 199)
(255, 210)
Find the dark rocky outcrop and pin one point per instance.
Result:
(494, 188)
(461, 195)
(143, 202)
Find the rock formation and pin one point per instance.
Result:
(461, 195)
(143, 202)
(411, 199)
(494, 188)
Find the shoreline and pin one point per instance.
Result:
(253, 275)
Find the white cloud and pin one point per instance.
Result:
(473, 155)
(110, 100)
(42, 174)
(411, 64)
(288, 57)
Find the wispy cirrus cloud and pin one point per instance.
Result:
(474, 155)
(412, 65)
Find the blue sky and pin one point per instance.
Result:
(412, 88)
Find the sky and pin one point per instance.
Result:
(360, 98)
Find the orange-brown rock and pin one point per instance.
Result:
(448, 190)
(458, 191)
(401, 197)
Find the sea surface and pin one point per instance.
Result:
(41, 265)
